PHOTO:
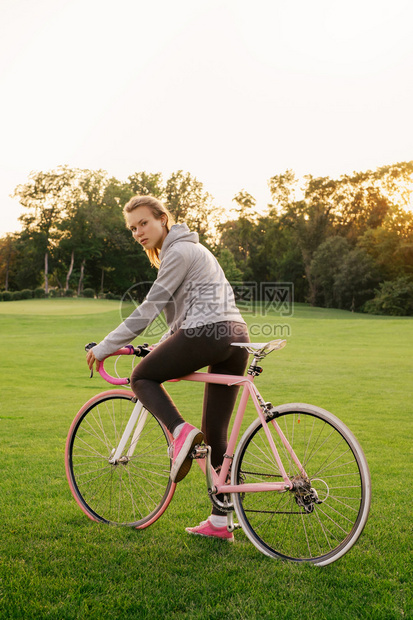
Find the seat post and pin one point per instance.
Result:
(253, 369)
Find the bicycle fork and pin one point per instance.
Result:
(138, 418)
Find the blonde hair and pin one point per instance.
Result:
(158, 210)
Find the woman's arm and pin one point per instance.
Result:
(172, 273)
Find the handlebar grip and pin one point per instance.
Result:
(127, 350)
(140, 351)
(113, 380)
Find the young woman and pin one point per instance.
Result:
(203, 321)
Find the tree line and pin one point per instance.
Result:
(344, 243)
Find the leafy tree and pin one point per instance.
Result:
(46, 196)
(227, 262)
(364, 200)
(276, 256)
(283, 188)
(396, 182)
(28, 271)
(8, 254)
(83, 226)
(237, 235)
(345, 275)
(393, 297)
(391, 244)
(352, 206)
(334, 239)
(116, 241)
(311, 223)
(325, 265)
(246, 207)
(188, 202)
(355, 203)
(117, 194)
(143, 183)
(354, 283)
(306, 212)
(62, 217)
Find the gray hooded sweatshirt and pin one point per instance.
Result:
(191, 289)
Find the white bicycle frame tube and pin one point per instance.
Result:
(138, 412)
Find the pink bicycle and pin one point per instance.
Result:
(297, 480)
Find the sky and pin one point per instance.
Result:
(232, 91)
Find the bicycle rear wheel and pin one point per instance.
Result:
(324, 514)
(135, 491)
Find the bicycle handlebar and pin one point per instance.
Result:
(140, 351)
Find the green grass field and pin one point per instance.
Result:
(55, 563)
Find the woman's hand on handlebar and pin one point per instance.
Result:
(91, 359)
(140, 351)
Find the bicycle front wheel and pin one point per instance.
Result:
(323, 515)
(136, 490)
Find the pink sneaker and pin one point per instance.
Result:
(181, 447)
(205, 528)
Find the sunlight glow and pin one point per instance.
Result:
(229, 91)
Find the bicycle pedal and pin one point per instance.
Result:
(231, 526)
(199, 452)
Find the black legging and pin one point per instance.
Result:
(182, 353)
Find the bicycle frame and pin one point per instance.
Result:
(139, 414)
(311, 517)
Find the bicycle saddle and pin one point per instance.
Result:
(260, 349)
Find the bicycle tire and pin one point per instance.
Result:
(136, 491)
(291, 525)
